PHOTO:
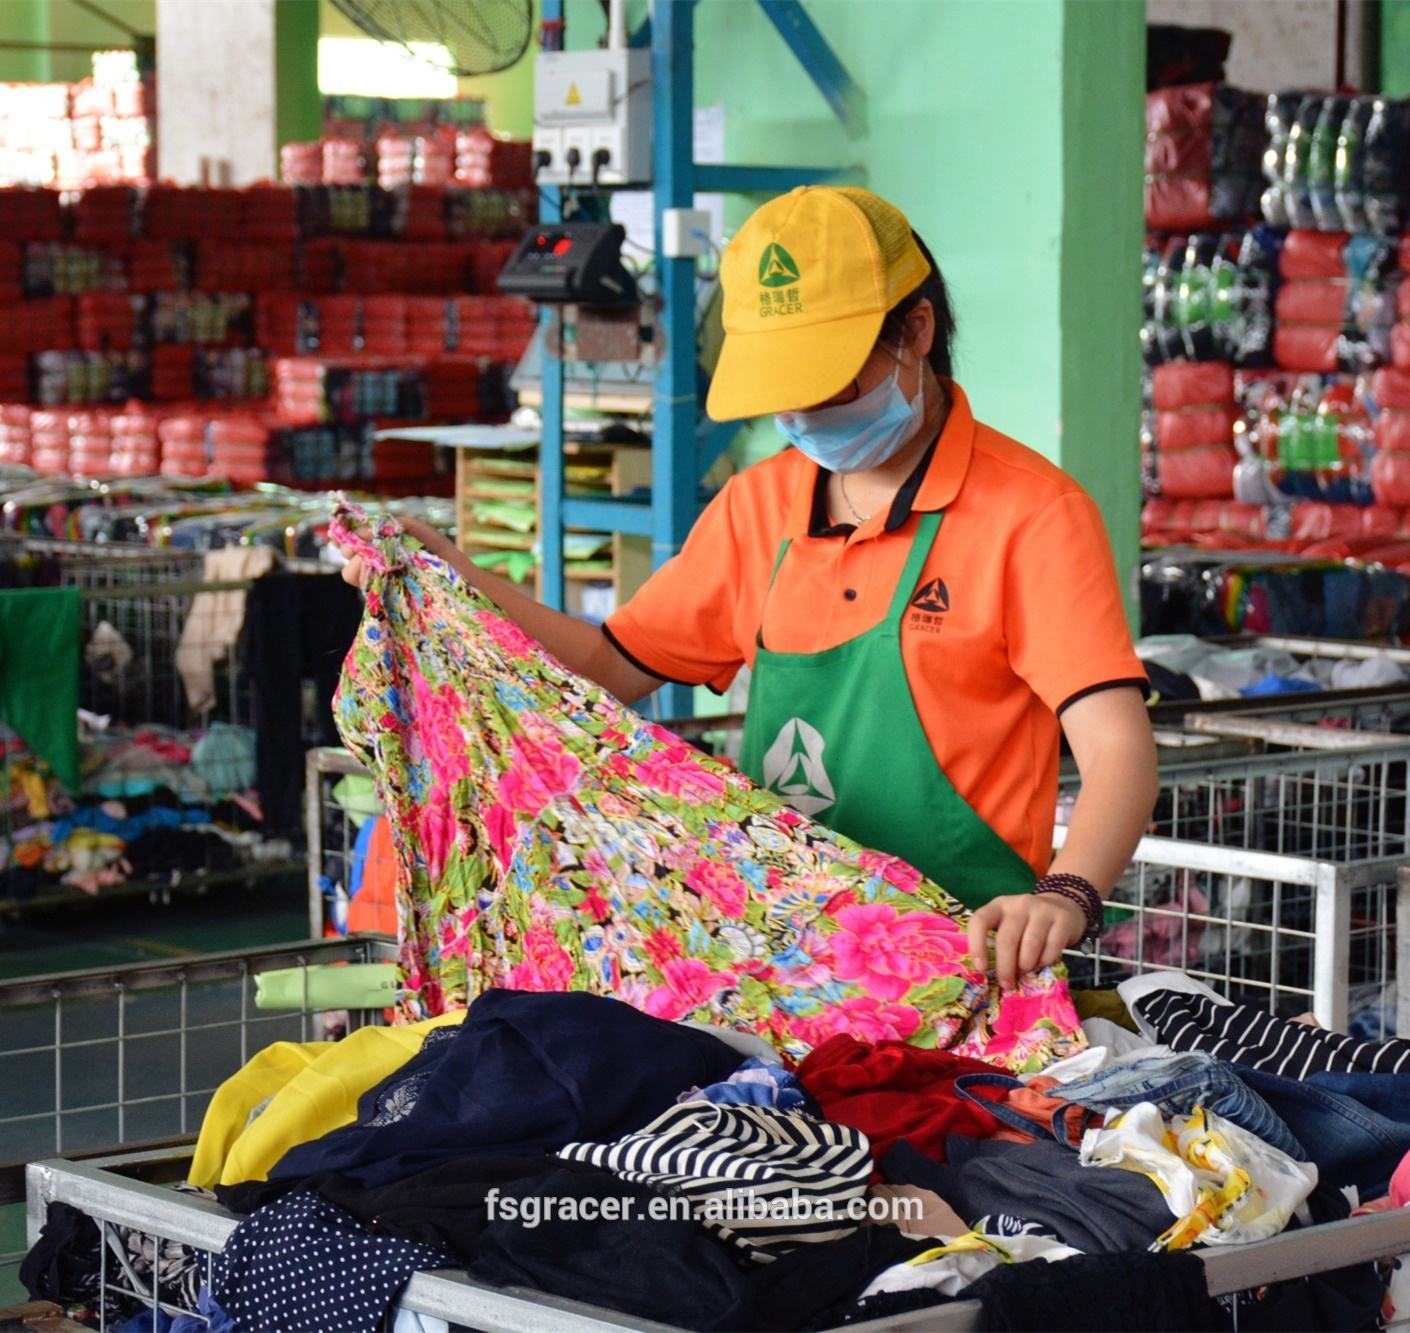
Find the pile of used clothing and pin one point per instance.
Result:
(673, 1171)
(152, 804)
(1183, 666)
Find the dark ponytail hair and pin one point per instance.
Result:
(932, 289)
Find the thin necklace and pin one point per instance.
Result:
(847, 499)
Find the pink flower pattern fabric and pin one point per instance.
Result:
(548, 838)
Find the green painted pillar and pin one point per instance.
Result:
(25, 21)
(1103, 135)
(1395, 47)
(298, 115)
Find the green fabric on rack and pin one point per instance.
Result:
(328, 986)
(39, 652)
(506, 513)
(514, 565)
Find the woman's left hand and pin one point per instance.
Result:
(1030, 931)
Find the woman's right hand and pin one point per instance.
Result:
(355, 569)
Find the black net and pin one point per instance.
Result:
(482, 36)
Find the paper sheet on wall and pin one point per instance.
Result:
(633, 210)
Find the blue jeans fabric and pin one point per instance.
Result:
(1175, 1083)
(1179, 1083)
(1356, 1126)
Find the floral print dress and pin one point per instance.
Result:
(549, 838)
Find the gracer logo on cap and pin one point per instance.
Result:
(776, 267)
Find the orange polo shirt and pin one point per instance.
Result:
(1017, 613)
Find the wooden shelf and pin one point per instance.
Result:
(623, 468)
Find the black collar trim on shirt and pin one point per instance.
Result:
(901, 504)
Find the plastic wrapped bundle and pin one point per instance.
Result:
(1297, 194)
(1322, 163)
(1210, 298)
(1204, 143)
(16, 441)
(1195, 416)
(1349, 173)
(1390, 469)
(1386, 166)
(1280, 110)
(1311, 302)
(1372, 302)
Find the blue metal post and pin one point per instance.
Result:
(820, 63)
(675, 407)
(551, 590)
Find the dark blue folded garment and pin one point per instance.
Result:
(525, 1072)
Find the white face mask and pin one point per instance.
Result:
(862, 434)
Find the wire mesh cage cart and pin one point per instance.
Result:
(138, 1214)
(101, 1059)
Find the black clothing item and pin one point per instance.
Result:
(883, 1305)
(1098, 1212)
(666, 1268)
(804, 1289)
(1172, 686)
(1091, 1293)
(166, 855)
(298, 627)
(446, 1208)
(1177, 55)
(62, 1266)
(669, 1268)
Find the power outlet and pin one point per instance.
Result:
(685, 233)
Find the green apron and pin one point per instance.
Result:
(837, 735)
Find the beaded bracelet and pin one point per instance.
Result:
(1079, 892)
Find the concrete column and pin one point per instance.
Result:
(216, 90)
(1099, 292)
(298, 106)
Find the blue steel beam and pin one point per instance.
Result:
(773, 180)
(712, 438)
(820, 63)
(551, 492)
(675, 408)
(632, 517)
(551, 590)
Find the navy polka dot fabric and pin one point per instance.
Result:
(302, 1265)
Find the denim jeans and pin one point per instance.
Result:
(1174, 1083)
(1356, 1126)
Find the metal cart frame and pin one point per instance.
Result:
(106, 1191)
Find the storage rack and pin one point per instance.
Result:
(684, 444)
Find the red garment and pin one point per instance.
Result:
(890, 1091)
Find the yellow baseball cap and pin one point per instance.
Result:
(807, 282)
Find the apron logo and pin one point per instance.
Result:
(793, 767)
(776, 267)
(934, 596)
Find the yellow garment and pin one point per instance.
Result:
(35, 791)
(1223, 1184)
(319, 1098)
(236, 1100)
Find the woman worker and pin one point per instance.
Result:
(923, 602)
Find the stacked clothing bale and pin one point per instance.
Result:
(1204, 145)
(1210, 297)
(1194, 417)
(1336, 308)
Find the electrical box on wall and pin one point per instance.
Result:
(592, 117)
